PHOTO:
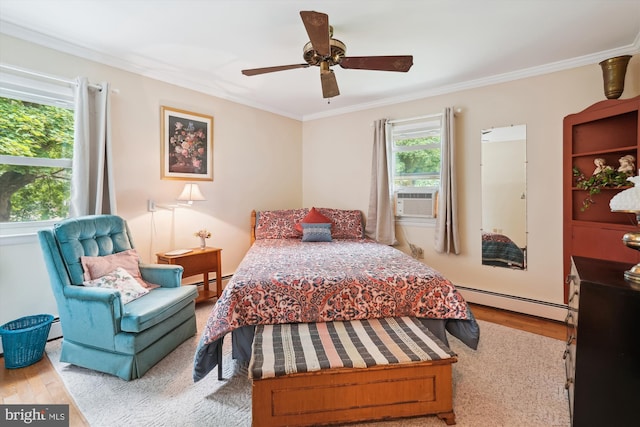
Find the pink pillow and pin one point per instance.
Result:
(279, 224)
(313, 217)
(347, 224)
(96, 267)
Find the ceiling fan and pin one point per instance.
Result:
(324, 51)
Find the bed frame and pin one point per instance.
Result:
(253, 226)
(347, 395)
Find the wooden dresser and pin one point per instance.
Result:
(602, 358)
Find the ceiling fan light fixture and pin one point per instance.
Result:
(329, 83)
(324, 51)
(338, 51)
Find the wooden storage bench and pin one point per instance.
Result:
(335, 373)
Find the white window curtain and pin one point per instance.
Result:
(92, 183)
(380, 221)
(446, 233)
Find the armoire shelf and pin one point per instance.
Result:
(610, 130)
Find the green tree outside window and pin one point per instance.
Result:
(30, 188)
(418, 164)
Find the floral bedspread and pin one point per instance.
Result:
(498, 249)
(290, 281)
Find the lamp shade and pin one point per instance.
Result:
(190, 193)
(627, 200)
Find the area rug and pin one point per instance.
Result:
(515, 378)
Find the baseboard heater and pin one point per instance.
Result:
(547, 310)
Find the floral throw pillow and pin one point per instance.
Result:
(119, 279)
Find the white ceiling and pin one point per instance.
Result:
(204, 44)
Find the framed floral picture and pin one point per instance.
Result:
(187, 145)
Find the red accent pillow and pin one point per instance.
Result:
(313, 217)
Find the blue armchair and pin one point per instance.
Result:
(99, 331)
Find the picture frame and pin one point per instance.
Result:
(186, 145)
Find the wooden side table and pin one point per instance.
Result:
(199, 261)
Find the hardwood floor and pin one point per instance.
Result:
(524, 322)
(40, 383)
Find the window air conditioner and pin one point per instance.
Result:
(415, 203)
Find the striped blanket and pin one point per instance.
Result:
(306, 347)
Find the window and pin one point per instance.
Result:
(36, 148)
(414, 153)
(414, 148)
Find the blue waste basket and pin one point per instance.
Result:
(23, 340)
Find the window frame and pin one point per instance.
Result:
(35, 91)
(428, 126)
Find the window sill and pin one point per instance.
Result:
(416, 222)
(21, 233)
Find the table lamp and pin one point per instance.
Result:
(190, 193)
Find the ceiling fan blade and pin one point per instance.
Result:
(317, 26)
(329, 84)
(256, 71)
(379, 63)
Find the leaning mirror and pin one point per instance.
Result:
(504, 197)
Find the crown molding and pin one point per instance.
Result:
(151, 71)
(631, 49)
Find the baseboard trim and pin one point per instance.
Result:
(529, 306)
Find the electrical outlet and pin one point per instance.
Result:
(151, 205)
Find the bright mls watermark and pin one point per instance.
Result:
(34, 415)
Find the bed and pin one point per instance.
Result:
(500, 251)
(285, 279)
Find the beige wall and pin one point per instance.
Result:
(337, 156)
(265, 161)
(256, 166)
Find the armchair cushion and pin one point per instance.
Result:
(157, 306)
(99, 235)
